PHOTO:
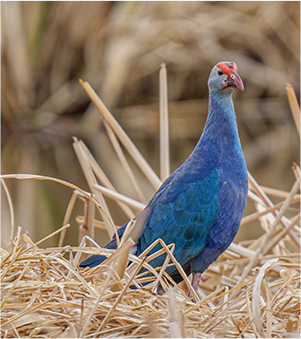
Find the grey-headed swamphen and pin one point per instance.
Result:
(200, 206)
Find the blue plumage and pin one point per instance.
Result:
(200, 206)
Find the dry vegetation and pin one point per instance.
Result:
(44, 294)
(253, 289)
(118, 47)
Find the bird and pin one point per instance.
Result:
(199, 207)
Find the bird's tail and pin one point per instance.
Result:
(92, 261)
(96, 260)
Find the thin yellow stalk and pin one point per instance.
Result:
(269, 233)
(123, 137)
(63, 182)
(295, 109)
(274, 192)
(123, 161)
(107, 218)
(87, 227)
(97, 223)
(173, 311)
(47, 237)
(67, 216)
(83, 331)
(281, 235)
(90, 214)
(122, 260)
(121, 294)
(257, 215)
(122, 250)
(103, 179)
(177, 265)
(267, 202)
(11, 209)
(120, 197)
(120, 269)
(242, 251)
(164, 126)
(82, 232)
(166, 262)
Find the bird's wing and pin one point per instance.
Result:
(182, 213)
(232, 200)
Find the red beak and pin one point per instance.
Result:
(235, 81)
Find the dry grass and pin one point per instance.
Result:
(252, 290)
(45, 295)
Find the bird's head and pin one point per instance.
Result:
(224, 78)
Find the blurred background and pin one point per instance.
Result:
(118, 48)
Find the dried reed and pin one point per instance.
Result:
(251, 291)
(118, 47)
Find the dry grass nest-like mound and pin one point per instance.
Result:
(46, 295)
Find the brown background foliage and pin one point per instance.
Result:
(118, 47)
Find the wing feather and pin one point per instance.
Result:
(184, 220)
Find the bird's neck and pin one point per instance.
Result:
(220, 132)
(221, 111)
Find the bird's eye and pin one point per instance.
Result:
(220, 73)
